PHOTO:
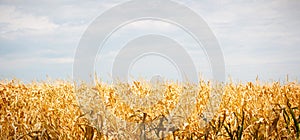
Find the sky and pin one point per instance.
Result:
(38, 39)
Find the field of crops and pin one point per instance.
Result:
(50, 110)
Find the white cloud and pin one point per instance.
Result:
(14, 23)
(151, 24)
(19, 63)
(262, 34)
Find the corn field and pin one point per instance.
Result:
(50, 110)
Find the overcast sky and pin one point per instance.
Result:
(39, 38)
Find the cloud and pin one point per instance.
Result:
(25, 63)
(15, 23)
(257, 37)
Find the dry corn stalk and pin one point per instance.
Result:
(49, 110)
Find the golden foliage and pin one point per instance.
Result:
(49, 110)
